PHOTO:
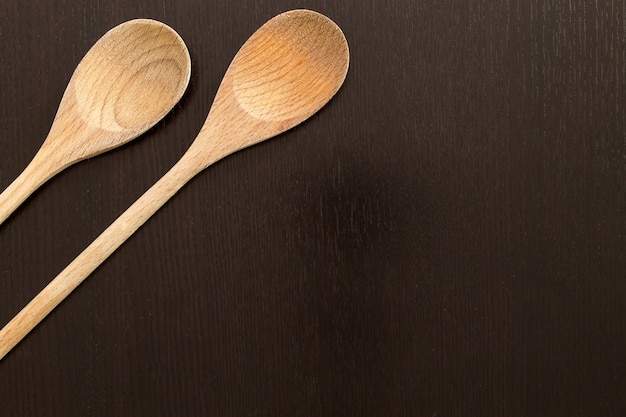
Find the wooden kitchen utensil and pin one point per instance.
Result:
(128, 81)
(288, 69)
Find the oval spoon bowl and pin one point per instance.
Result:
(128, 81)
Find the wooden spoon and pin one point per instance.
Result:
(128, 81)
(291, 67)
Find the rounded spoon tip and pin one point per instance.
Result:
(282, 75)
(308, 60)
(142, 66)
(128, 81)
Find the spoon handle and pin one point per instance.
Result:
(38, 171)
(96, 253)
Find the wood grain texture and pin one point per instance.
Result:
(446, 238)
(126, 83)
(285, 73)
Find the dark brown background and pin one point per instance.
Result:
(446, 238)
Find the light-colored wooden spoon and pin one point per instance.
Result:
(128, 81)
(291, 67)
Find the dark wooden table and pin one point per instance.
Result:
(446, 238)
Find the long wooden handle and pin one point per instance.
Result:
(96, 253)
(38, 171)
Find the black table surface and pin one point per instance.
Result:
(446, 238)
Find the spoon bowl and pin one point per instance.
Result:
(284, 73)
(291, 67)
(128, 81)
